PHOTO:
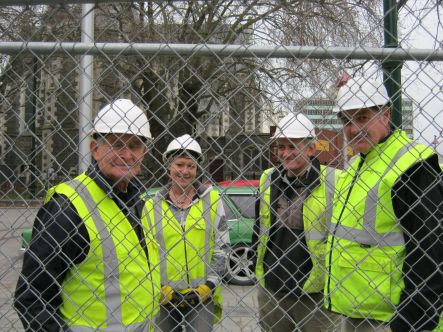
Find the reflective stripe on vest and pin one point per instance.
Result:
(158, 217)
(368, 235)
(264, 229)
(111, 270)
(111, 284)
(140, 327)
(329, 195)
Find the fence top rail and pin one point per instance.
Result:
(242, 51)
(5, 3)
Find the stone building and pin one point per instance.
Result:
(39, 113)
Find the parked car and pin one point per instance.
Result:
(239, 199)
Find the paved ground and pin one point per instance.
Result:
(12, 222)
(240, 303)
(240, 311)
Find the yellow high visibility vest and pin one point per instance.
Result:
(116, 287)
(317, 209)
(185, 251)
(366, 247)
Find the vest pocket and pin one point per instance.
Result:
(365, 281)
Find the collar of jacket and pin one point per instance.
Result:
(202, 190)
(379, 143)
(312, 180)
(135, 187)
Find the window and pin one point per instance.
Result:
(245, 204)
(228, 212)
(253, 162)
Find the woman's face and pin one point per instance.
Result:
(183, 171)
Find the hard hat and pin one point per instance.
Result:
(184, 143)
(361, 93)
(294, 126)
(122, 116)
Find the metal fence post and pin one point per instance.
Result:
(391, 68)
(86, 77)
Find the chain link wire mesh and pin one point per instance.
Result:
(225, 72)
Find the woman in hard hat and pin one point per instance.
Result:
(191, 231)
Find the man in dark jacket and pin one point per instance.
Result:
(91, 265)
(291, 231)
(384, 251)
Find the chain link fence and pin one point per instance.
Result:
(225, 72)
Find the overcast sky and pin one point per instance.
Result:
(423, 81)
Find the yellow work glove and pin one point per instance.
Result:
(204, 292)
(166, 294)
(185, 291)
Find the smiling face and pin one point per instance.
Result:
(183, 171)
(365, 128)
(119, 157)
(295, 154)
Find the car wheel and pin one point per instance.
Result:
(239, 266)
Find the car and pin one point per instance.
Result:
(239, 201)
(239, 198)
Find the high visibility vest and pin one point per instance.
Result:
(366, 247)
(317, 209)
(116, 287)
(185, 251)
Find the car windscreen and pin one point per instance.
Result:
(228, 212)
(245, 204)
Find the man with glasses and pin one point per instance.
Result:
(384, 250)
(92, 264)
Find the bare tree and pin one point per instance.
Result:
(172, 87)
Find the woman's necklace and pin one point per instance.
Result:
(183, 199)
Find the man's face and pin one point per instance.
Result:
(365, 128)
(183, 171)
(295, 153)
(119, 156)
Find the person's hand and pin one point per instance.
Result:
(192, 298)
(198, 295)
(204, 292)
(167, 294)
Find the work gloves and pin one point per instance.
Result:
(185, 297)
(204, 292)
(169, 296)
(200, 294)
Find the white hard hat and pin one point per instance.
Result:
(294, 126)
(185, 143)
(361, 93)
(122, 116)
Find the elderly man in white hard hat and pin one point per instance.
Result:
(384, 251)
(191, 230)
(294, 212)
(91, 264)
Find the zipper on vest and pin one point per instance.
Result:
(328, 283)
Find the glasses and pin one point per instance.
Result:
(360, 118)
(119, 145)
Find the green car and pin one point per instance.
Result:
(239, 203)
